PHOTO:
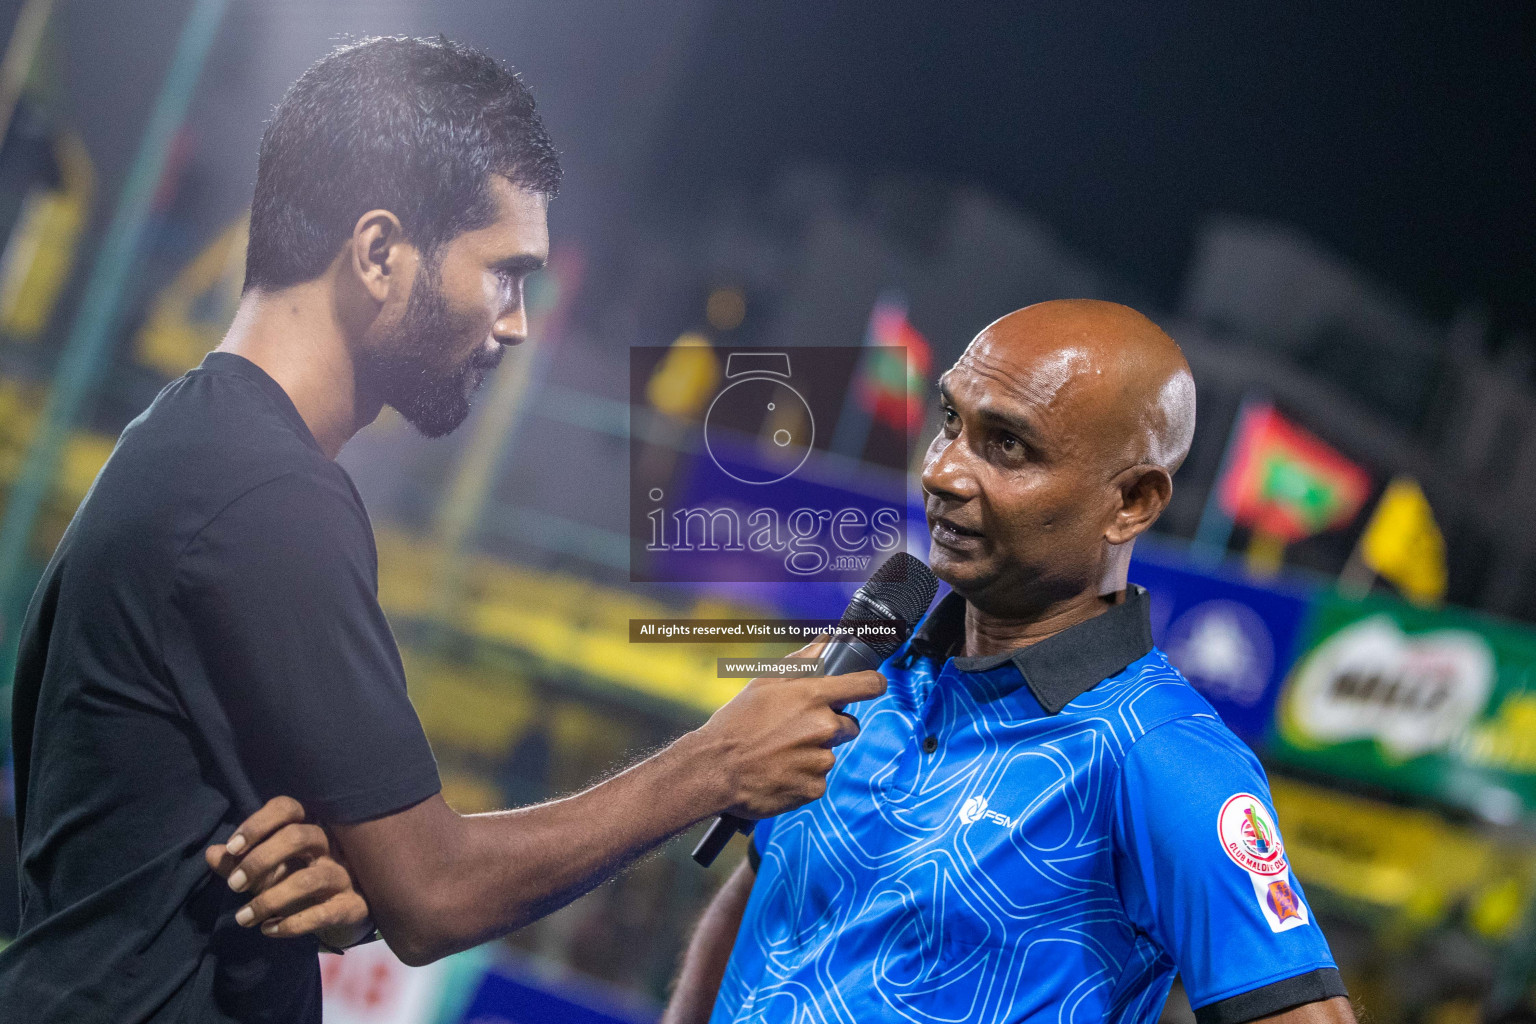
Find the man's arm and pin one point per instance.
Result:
(698, 983)
(438, 882)
(1203, 869)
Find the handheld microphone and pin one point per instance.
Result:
(898, 593)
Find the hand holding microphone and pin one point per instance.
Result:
(779, 733)
(774, 741)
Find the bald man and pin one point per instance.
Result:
(1041, 819)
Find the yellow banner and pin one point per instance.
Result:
(1406, 868)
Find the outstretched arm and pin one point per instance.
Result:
(698, 983)
(438, 882)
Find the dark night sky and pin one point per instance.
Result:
(1400, 137)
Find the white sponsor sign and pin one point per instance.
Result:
(1411, 693)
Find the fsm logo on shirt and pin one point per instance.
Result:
(975, 809)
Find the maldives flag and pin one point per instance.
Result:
(891, 385)
(1286, 482)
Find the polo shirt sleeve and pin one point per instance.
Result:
(280, 596)
(1202, 870)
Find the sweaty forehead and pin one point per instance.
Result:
(1039, 378)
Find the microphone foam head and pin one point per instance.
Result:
(902, 588)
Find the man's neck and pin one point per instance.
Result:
(987, 634)
(297, 338)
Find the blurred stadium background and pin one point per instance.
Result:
(1331, 212)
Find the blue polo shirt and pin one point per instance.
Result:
(1049, 834)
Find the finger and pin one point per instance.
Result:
(274, 814)
(305, 842)
(277, 874)
(810, 652)
(314, 884)
(342, 910)
(847, 729)
(852, 688)
(219, 860)
(815, 648)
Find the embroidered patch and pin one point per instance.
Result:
(1249, 836)
(1281, 907)
(1282, 901)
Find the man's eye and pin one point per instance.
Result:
(1011, 444)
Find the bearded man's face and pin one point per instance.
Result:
(465, 308)
(420, 368)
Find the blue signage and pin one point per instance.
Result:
(1233, 639)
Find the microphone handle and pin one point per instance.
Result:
(719, 834)
(840, 658)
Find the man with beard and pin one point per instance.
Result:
(1041, 819)
(206, 645)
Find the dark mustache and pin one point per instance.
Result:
(488, 361)
(935, 512)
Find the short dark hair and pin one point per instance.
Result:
(413, 126)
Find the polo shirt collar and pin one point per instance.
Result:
(1062, 667)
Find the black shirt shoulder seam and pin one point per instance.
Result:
(267, 482)
(173, 581)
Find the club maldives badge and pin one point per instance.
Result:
(1249, 836)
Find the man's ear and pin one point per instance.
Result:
(1144, 493)
(379, 256)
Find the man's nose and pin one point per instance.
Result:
(947, 471)
(511, 328)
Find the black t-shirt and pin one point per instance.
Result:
(207, 636)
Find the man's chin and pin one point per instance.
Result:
(442, 408)
(436, 421)
(963, 574)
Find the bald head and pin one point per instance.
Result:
(1106, 367)
(1063, 425)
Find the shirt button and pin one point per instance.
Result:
(930, 744)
